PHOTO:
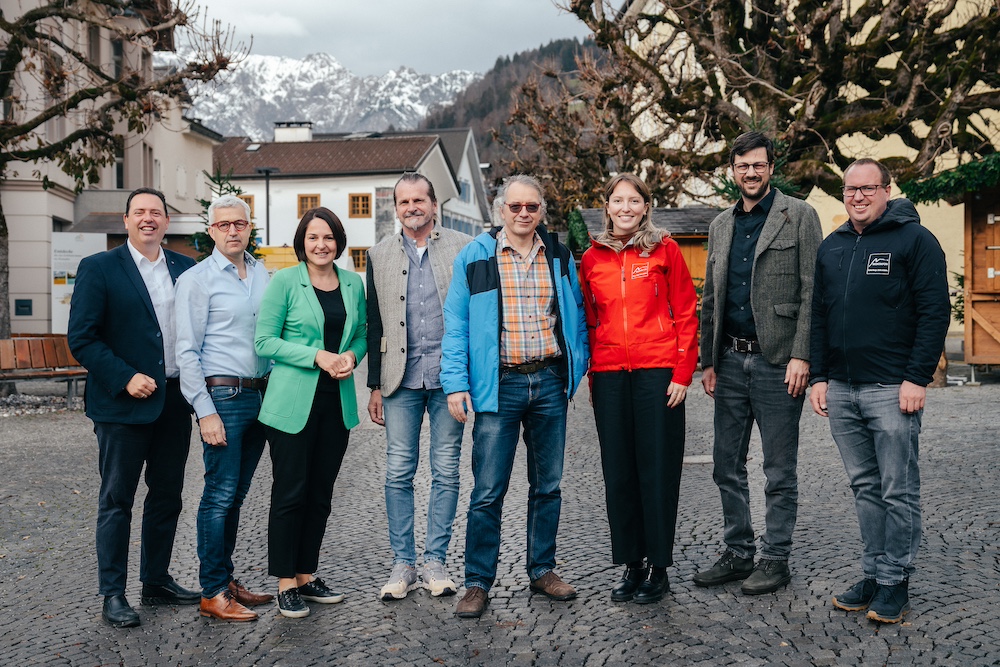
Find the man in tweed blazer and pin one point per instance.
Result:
(755, 355)
(408, 278)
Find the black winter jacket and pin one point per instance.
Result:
(880, 307)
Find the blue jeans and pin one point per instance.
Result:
(750, 389)
(878, 443)
(229, 470)
(538, 401)
(404, 413)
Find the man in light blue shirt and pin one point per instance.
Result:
(224, 380)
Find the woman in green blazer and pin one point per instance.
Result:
(312, 323)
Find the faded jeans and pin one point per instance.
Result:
(404, 414)
(879, 444)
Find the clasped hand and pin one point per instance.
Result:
(338, 366)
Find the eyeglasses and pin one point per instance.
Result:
(223, 227)
(516, 208)
(744, 167)
(867, 190)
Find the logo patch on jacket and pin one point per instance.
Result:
(640, 270)
(878, 263)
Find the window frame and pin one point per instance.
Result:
(359, 257)
(359, 205)
(304, 197)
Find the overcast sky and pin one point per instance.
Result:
(375, 36)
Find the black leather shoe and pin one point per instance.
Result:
(728, 568)
(635, 574)
(654, 588)
(172, 593)
(118, 613)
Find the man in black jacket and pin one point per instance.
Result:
(880, 315)
(121, 329)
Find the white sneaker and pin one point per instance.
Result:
(402, 580)
(436, 580)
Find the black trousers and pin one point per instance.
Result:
(642, 452)
(123, 449)
(305, 466)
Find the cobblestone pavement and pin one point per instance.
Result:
(50, 612)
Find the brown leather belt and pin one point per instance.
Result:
(258, 384)
(745, 345)
(532, 366)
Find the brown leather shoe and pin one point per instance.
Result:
(225, 608)
(473, 604)
(245, 597)
(551, 586)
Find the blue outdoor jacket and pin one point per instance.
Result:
(470, 351)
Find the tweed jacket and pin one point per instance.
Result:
(290, 331)
(781, 281)
(388, 269)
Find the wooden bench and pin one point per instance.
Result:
(40, 357)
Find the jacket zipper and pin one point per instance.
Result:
(847, 285)
(628, 357)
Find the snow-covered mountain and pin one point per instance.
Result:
(265, 89)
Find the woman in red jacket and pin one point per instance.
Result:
(640, 305)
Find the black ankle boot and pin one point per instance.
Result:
(635, 574)
(654, 588)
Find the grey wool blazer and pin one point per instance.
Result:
(387, 275)
(781, 284)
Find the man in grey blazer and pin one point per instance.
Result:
(755, 355)
(408, 278)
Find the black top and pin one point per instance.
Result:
(880, 310)
(335, 315)
(747, 225)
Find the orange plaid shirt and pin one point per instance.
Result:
(528, 300)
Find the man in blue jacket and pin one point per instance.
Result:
(517, 286)
(880, 316)
(121, 328)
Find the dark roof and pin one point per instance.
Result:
(197, 127)
(327, 156)
(686, 221)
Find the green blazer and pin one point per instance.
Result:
(290, 331)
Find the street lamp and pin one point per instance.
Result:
(267, 171)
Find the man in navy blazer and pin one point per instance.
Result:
(121, 329)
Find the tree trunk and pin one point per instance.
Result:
(6, 388)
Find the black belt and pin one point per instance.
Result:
(258, 384)
(745, 345)
(532, 366)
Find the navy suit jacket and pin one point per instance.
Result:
(114, 333)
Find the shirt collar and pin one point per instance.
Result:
(138, 257)
(764, 205)
(503, 243)
(223, 262)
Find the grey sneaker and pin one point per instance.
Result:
(435, 579)
(402, 580)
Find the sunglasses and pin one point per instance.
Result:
(224, 226)
(531, 208)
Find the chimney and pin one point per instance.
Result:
(295, 130)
